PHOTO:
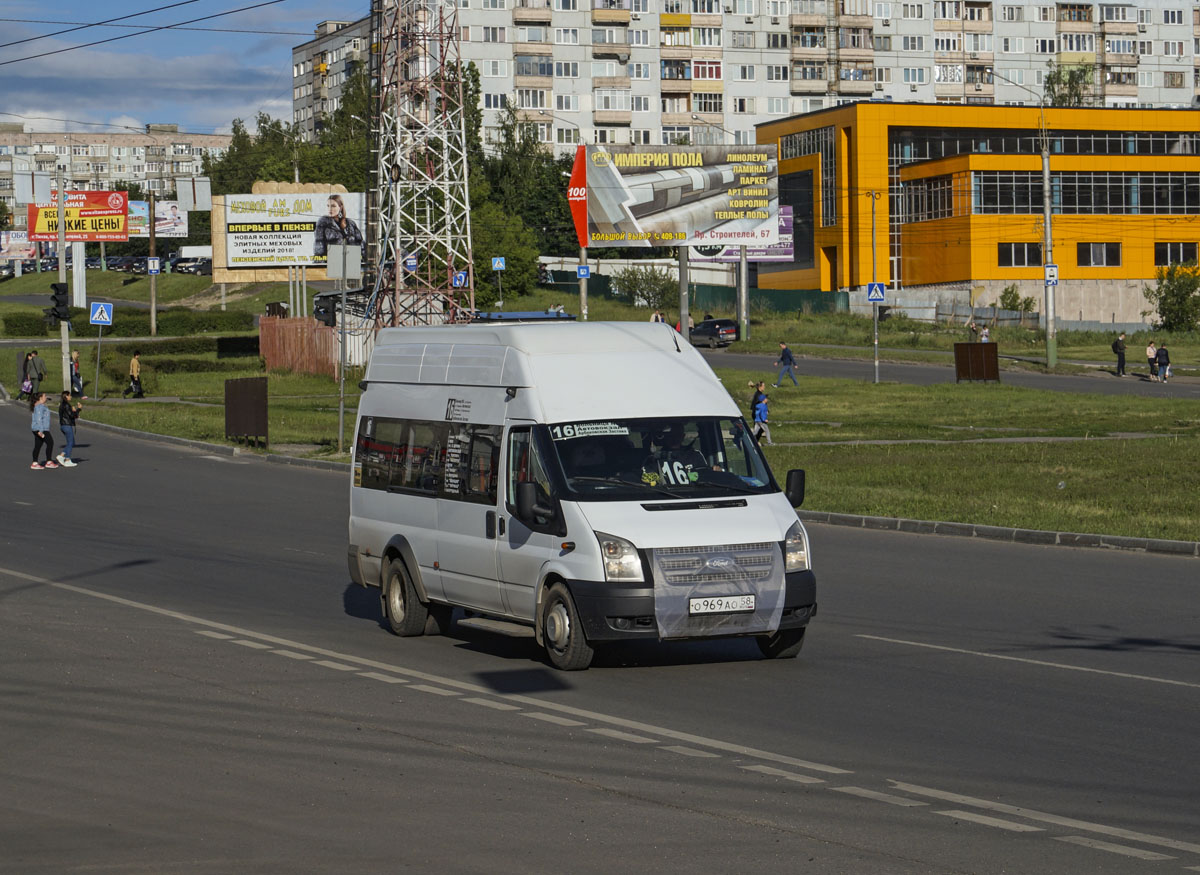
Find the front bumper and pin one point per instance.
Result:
(625, 611)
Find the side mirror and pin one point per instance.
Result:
(529, 504)
(795, 487)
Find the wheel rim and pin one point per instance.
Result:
(395, 598)
(558, 626)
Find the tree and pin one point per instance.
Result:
(494, 232)
(345, 153)
(1175, 297)
(1070, 85)
(275, 152)
(651, 285)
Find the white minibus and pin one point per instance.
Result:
(593, 481)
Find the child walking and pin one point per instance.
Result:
(761, 429)
(41, 432)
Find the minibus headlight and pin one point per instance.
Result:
(620, 558)
(795, 548)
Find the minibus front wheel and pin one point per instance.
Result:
(562, 631)
(405, 614)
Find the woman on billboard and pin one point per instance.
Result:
(336, 228)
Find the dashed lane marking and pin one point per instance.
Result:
(437, 691)
(336, 666)
(624, 736)
(253, 645)
(990, 821)
(291, 654)
(1123, 850)
(380, 676)
(878, 796)
(552, 718)
(1027, 661)
(689, 751)
(209, 633)
(491, 703)
(781, 773)
(1043, 817)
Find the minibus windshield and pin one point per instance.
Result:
(668, 457)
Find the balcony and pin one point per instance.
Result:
(808, 19)
(619, 51)
(675, 53)
(677, 119)
(545, 83)
(855, 86)
(809, 53)
(1076, 27)
(977, 26)
(618, 82)
(675, 86)
(610, 16)
(1115, 28)
(808, 86)
(1120, 89)
(1120, 59)
(533, 48)
(612, 117)
(531, 14)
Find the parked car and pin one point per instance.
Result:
(714, 332)
(124, 263)
(203, 267)
(7, 271)
(92, 263)
(139, 265)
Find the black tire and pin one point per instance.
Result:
(784, 644)
(562, 633)
(405, 614)
(441, 617)
(712, 343)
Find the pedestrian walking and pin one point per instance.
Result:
(1164, 362)
(135, 376)
(972, 332)
(76, 377)
(1118, 347)
(760, 389)
(985, 336)
(23, 379)
(761, 415)
(786, 365)
(1152, 360)
(68, 412)
(35, 370)
(42, 437)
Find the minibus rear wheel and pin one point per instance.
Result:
(784, 644)
(562, 632)
(406, 615)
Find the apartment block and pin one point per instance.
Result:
(98, 161)
(654, 71)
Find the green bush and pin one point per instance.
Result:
(224, 347)
(177, 321)
(650, 285)
(24, 325)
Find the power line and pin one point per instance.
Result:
(142, 32)
(47, 118)
(107, 24)
(73, 29)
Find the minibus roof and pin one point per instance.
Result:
(577, 370)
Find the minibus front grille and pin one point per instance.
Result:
(721, 562)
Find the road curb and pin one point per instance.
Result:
(1003, 533)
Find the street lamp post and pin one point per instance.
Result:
(1047, 235)
(583, 258)
(874, 196)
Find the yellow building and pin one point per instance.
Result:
(958, 207)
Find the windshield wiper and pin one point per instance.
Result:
(637, 483)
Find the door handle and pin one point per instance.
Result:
(501, 526)
(489, 524)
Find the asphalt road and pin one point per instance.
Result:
(188, 683)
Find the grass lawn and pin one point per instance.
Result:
(171, 288)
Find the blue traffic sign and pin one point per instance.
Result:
(153, 266)
(460, 279)
(875, 292)
(498, 262)
(583, 271)
(410, 262)
(102, 313)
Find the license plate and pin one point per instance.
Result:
(721, 604)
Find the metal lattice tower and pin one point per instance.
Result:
(419, 203)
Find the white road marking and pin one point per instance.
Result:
(291, 654)
(880, 797)
(990, 821)
(336, 666)
(689, 751)
(253, 645)
(593, 716)
(1043, 817)
(24, 503)
(552, 718)
(1041, 662)
(208, 633)
(380, 676)
(780, 773)
(492, 703)
(624, 736)
(437, 691)
(1123, 850)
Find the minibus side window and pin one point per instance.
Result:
(525, 465)
(472, 460)
(419, 458)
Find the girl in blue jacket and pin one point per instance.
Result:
(41, 432)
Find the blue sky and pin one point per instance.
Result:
(198, 79)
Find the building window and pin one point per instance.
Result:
(1172, 16)
(948, 43)
(611, 100)
(566, 103)
(1172, 80)
(914, 75)
(1098, 254)
(912, 10)
(742, 105)
(532, 65)
(674, 134)
(531, 98)
(640, 136)
(810, 38)
(493, 34)
(1173, 47)
(1012, 13)
(675, 36)
(776, 105)
(1075, 12)
(706, 70)
(777, 72)
(913, 44)
(947, 9)
(641, 103)
(1174, 253)
(741, 39)
(711, 103)
(639, 37)
(1019, 254)
(809, 71)
(566, 36)
(495, 101)
(778, 40)
(568, 135)
(639, 71)
(706, 36)
(883, 42)
(744, 73)
(566, 69)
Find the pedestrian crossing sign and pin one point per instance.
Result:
(875, 292)
(101, 313)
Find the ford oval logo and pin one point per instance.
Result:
(720, 563)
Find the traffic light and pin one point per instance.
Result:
(60, 309)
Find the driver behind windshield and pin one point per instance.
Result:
(671, 462)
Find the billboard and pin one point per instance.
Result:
(781, 252)
(169, 220)
(92, 217)
(675, 195)
(15, 245)
(280, 230)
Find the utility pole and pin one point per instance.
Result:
(1048, 246)
(583, 284)
(153, 277)
(683, 292)
(63, 324)
(874, 196)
